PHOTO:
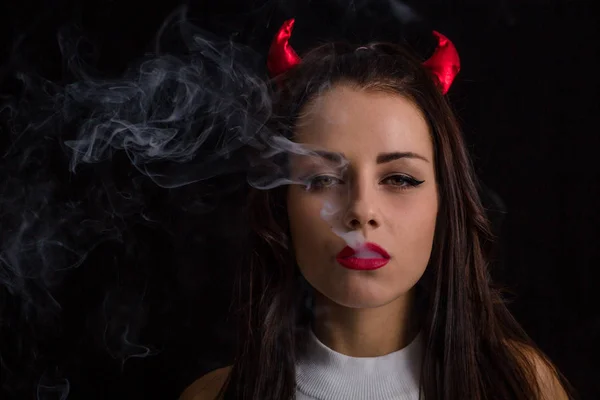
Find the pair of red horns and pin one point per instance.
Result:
(444, 63)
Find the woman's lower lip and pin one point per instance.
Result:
(362, 263)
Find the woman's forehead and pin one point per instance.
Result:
(349, 120)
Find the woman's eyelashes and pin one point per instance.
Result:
(405, 181)
(396, 181)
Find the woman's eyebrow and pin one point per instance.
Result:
(383, 158)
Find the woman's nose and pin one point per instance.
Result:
(361, 208)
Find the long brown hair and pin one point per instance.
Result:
(474, 348)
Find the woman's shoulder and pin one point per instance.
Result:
(207, 387)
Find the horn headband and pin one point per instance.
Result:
(444, 63)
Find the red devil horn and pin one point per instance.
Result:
(444, 63)
(281, 55)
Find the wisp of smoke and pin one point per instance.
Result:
(88, 160)
(85, 161)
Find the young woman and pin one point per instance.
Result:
(409, 312)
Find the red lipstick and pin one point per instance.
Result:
(377, 257)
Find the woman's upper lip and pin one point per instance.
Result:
(349, 251)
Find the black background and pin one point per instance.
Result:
(526, 98)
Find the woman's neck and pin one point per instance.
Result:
(365, 332)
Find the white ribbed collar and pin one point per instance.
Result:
(325, 374)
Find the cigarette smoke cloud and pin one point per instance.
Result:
(176, 120)
(95, 168)
(85, 160)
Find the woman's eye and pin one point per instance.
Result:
(402, 181)
(322, 182)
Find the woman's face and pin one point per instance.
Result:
(373, 194)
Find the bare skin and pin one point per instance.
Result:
(364, 313)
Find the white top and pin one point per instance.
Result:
(325, 374)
